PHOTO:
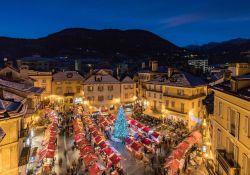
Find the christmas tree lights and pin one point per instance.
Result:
(121, 125)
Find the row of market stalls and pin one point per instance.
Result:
(91, 142)
(47, 152)
(177, 157)
(87, 153)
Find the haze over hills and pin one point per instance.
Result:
(117, 45)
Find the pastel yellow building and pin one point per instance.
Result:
(11, 132)
(41, 79)
(128, 90)
(102, 90)
(231, 126)
(67, 89)
(177, 96)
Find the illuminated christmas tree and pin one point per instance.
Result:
(121, 125)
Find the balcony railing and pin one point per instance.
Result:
(69, 94)
(184, 96)
(226, 162)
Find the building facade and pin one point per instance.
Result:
(178, 97)
(67, 89)
(102, 90)
(231, 126)
(12, 110)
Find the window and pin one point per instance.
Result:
(110, 97)
(69, 90)
(44, 81)
(219, 141)
(100, 88)
(131, 86)
(91, 98)
(173, 104)
(149, 94)
(110, 88)
(71, 100)
(90, 88)
(126, 95)
(199, 103)
(160, 88)
(246, 126)
(100, 98)
(166, 104)
(78, 89)
(182, 107)
(58, 90)
(154, 95)
(233, 118)
(125, 86)
(98, 78)
(8, 74)
(160, 95)
(220, 109)
(245, 165)
(193, 105)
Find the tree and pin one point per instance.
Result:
(121, 125)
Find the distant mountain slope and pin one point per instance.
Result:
(78, 43)
(228, 51)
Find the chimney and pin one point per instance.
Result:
(154, 66)
(170, 71)
(143, 65)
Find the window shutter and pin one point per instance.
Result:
(237, 125)
(246, 126)
(216, 107)
(227, 144)
(228, 119)
(236, 150)
(246, 166)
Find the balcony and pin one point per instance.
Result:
(69, 94)
(226, 162)
(184, 96)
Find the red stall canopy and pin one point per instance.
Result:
(146, 129)
(103, 145)
(108, 151)
(115, 159)
(135, 146)
(146, 141)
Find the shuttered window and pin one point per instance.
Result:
(246, 126)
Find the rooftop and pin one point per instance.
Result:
(127, 79)
(68, 76)
(226, 87)
(181, 79)
(21, 87)
(101, 79)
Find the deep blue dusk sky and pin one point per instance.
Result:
(182, 22)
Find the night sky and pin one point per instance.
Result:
(183, 22)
